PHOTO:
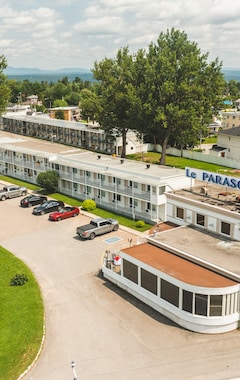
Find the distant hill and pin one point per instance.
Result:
(38, 75)
(231, 74)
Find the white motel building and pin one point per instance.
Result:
(189, 272)
(127, 187)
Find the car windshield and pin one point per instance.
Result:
(45, 205)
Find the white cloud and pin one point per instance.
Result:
(76, 33)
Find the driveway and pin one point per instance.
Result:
(105, 331)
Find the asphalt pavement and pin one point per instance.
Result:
(105, 331)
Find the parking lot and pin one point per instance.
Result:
(106, 332)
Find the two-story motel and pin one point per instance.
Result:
(134, 189)
(72, 133)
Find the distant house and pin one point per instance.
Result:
(32, 100)
(214, 126)
(237, 103)
(70, 113)
(228, 144)
(230, 119)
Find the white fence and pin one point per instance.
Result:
(199, 156)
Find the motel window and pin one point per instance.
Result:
(225, 228)
(130, 271)
(187, 301)
(170, 292)
(180, 213)
(201, 301)
(148, 281)
(200, 219)
(215, 305)
(162, 190)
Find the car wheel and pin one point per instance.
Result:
(42, 213)
(115, 228)
(76, 214)
(92, 236)
(59, 219)
(29, 204)
(3, 198)
(24, 193)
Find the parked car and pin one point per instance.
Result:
(64, 213)
(98, 226)
(12, 191)
(33, 200)
(47, 207)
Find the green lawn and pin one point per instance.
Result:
(21, 318)
(19, 182)
(124, 221)
(182, 163)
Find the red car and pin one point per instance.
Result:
(64, 213)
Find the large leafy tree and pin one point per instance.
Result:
(180, 91)
(4, 88)
(118, 100)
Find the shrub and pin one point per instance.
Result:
(48, 180)
(18, 280)
(140, 224)
(89, 205)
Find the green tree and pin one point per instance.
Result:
(48, 181)
(89, 103)
(118, 100)
(4, 87)
(180, 90)
(60, 103)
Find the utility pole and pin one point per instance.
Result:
(74, 371)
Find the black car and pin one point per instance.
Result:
(48, 206)
(33, 200)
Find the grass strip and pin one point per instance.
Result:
(21, 318)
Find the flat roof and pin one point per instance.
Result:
(178, 267)
(211, 248)
(213, 195)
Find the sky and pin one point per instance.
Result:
(75, 33)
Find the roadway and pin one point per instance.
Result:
(105, 331)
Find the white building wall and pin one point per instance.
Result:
(198, 323)
(213, 215)
(232, 143)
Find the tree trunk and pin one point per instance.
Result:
(164, 148)
(124, 143)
